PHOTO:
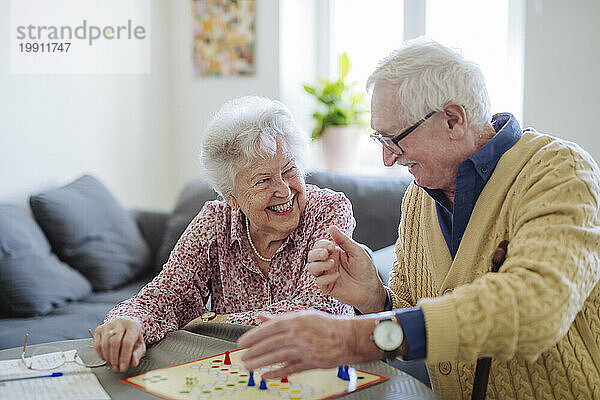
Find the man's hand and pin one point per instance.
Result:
(342, 269)
(307, 340)
(120, 343)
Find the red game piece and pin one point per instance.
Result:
(227, 359)
(284, 379)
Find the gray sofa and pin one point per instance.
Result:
(376, 207)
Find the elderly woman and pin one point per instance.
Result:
(248, 252)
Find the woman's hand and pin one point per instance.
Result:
(120, 343)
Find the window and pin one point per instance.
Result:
(488, 32)
(367, 32)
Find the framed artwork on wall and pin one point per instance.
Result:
(224, 37)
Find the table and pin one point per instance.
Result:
(207, 339)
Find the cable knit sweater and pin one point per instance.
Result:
(539, 316)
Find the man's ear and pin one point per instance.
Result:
(455, 119)
(232, 201)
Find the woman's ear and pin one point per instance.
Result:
(232, 201)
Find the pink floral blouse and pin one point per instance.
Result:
(213, 258)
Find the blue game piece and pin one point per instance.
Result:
(263, 385)
(345, 375)
(251, 380)
(340, 372)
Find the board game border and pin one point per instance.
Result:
(381, 378)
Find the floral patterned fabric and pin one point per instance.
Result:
(213, 258)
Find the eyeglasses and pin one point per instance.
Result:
(50, 358)
(391, 143)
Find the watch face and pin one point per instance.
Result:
(388, 335)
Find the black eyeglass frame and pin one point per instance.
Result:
(396, 139)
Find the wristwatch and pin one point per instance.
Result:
(388, 336)
(207, 316)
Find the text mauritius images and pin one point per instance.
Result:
(83, 32)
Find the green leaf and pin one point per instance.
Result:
(344, 66)
(358, 98)
(338, 104)
(316, 133)
(309, 89)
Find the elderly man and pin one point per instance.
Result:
(481, 188)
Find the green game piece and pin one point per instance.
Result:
(184, 391)
(218, 388)
(230, 384)
(242, 381)
(206, 391)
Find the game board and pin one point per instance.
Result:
(211, 377)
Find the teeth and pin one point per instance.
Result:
(282, 207)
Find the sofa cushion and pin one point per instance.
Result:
(68, 322)
(383, 260)
(189, 204)
(33, 281)
(375, 203)
(90, 231)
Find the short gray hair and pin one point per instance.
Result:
(243, 130)
(430, 75)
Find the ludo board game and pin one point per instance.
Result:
(223, 376)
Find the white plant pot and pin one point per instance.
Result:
(341, 147)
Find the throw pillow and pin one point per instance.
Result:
(33, 281)
(189, 204)
(90, 231)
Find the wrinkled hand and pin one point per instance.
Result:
(307, 340)
(342, 269)
(120, 343)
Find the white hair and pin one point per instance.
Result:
(430, 75)
(243, 130)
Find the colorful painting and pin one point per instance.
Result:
(224, 37)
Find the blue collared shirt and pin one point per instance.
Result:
(473, 175)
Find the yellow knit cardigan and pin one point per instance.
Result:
(539, 316)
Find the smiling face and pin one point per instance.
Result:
(271, 193)
(432, 152)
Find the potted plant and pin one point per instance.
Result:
(340, 118)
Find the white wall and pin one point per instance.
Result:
(195, 100)
(55, 127)
(562, 70)
(140, 134)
